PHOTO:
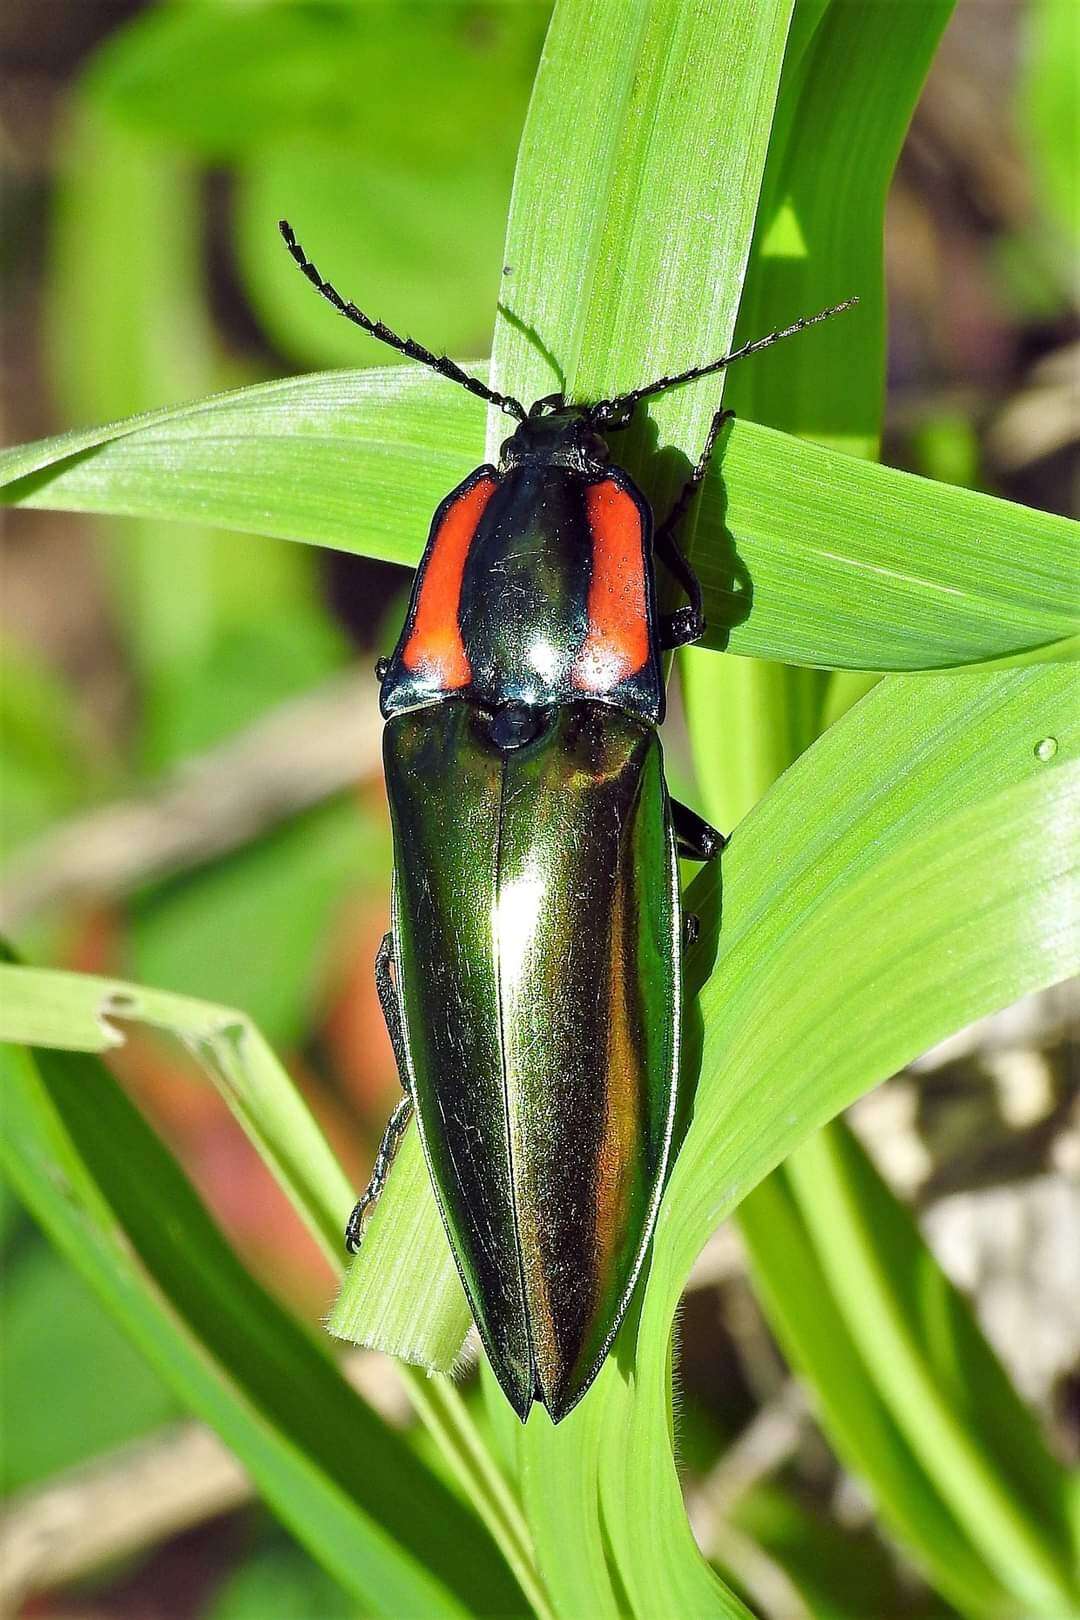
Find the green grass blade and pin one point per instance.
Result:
(789, 1280)
(79, 1012)
(563, 1508)
(446, 1417)
(807, 555)
(1050, 116)
(966, 1427)
(767, 713)
(874, 568)
(845, 106)
(117, 1205)
(609, 212)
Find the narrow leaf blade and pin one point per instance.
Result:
(116, 1204)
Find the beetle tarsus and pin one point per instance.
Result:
(395, 1130)
(681, 628)
(694, 837)
(399, 1119)
(691, 929)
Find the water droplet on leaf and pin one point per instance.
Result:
(1046, 749)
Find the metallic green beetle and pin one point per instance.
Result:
(531, 980)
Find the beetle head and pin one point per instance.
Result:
(555, 434)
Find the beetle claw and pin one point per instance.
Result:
(354, 1229)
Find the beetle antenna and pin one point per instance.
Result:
(415, 351)
(622, 405)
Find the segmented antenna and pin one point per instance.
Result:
(415, 351)
(622, 405)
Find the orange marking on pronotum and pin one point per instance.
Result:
(617, 643)
(434, 646)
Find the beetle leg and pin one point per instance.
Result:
(399, 1119)
(694, 837)
(391, 1006)
(686, 624)
(395, 1130)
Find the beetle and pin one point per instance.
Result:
(531, 978)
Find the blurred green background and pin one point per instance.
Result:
(148, 152)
